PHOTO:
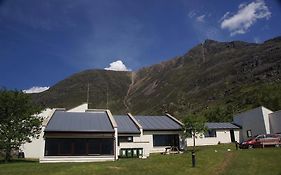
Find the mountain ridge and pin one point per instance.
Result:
(203, 77)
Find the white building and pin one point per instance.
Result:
(96, 135)
(147, 134)
(217, 133)
(33, 150)
(258, 121)
(275, 122)
(81, 134)
(63, 133)
(144, 134)
(88, 136)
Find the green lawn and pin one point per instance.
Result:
(256, 161)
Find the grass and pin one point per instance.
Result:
(209, 161)
(258, 161)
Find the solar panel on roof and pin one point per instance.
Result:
(63, 121)
(125, 124)
(223, 125)
(157, 123)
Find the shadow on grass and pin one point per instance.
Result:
(19, 161)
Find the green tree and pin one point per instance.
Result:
(18, 124)
(194, 125)
(218, 113)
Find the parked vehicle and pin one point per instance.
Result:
(261, 141)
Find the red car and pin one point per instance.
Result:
(261, 141)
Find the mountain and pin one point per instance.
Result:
(95, 85)
(212, 77)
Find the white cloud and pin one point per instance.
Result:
(242, 5)
(246, 16)
(35, 89)
(117, 66)
(192, 14)
(200, 18)
(226, 15)
(257, 40)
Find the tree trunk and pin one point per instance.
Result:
(193, 152)
(7, 155)
(193, 142)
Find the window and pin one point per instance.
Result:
(78, 147)
(51, 147)
(166, 140)
(211, 133)
(249, 133)
(94, 148)
(125, 139)
(260, 137)
(65, 147)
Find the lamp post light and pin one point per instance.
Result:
(193, 158)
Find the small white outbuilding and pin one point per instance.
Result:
(217, 133)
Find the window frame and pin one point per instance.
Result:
(249, 133)
(169, 140)
(54, 146)
(210, 133)
(125, 139)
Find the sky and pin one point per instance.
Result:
(44, 41)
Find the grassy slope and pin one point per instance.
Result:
(72, 91)
(259, 161)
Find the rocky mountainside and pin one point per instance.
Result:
(232, 75)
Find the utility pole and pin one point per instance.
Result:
(132, 78)
(203, 52)
(88, 93)
(107, 97)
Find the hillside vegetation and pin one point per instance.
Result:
(106, 88)
(213, 77)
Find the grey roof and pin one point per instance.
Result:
(63, 121)
(125, 124)
(223, 125)
(157, 123)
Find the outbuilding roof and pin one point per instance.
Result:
(125, 124)
(157, 123)
(62, 121)
(221, 125)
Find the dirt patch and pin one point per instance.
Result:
(115, 167)
(226, 162)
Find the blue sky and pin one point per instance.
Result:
(44, 41)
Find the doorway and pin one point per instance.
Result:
(232, 136)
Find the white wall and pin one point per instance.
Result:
(222, 136)
(145, 141)
(33, 150)
(237, 135)
(253, 120)
(275, 122)
(59, 159)
(266, 113)
(138, 142)
(81, 108)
